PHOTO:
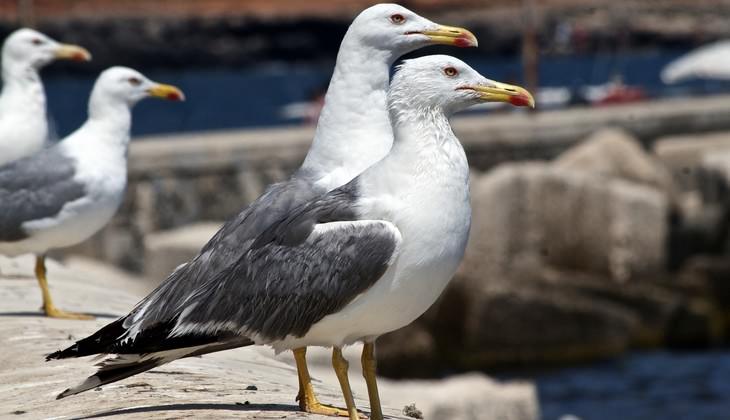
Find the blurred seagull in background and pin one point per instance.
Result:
(64, 194)
(367, 258)
(23, 120)
(710, 61)
(353, 132)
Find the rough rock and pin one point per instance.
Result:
(705, 278)
(718, 162)
(543, 214)
(214, 386)
(615, 154)
(165, 250)
(470, 397)
(555, 317)
(683, 154)
(562, 266)
(531, 321)
(701, 165)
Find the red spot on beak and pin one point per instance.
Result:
(174, 96)
(463, 42)
(520, 100)
(78, 57)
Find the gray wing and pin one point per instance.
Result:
(278, 290)
(34, 188)
(235, 237)
(299, 270)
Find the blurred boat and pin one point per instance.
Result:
(614, 92)
(710, 61)
(554, 97)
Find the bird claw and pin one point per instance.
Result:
(54, 312)
(317, 407)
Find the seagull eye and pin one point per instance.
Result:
(398, 19)
(450, 71)
(134, 81)
(37, 41)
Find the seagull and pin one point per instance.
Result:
(23, 122)
(353, 132)
(64, 194)
(710, 61)
(362, 260)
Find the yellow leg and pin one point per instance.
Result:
(48, 307)
(369, 365)
(340, 365)
(307, 399)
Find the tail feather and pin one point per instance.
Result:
(107, 375)
(121, 366)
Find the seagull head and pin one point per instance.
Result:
(394, 28)
(29, 48)
(448, 84)
(130, 86)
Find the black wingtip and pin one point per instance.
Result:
(72, 351)
(63, 394)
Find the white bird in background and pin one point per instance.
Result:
(353, 132)
(23, 121)
(64, 194)
(365, 259)
(710, 61)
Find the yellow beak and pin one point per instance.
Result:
(72, 52)
(502, 92)
(451, 35)
(169, 92)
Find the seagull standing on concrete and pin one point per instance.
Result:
(353, 132)
(360, 261)
(64, 194)
(23, 121)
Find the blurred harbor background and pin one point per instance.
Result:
(598, 263)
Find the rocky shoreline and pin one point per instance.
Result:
(569, 261)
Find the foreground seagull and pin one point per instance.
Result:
(353, 132)
(362, 260)
(23, 121)
(64, 194)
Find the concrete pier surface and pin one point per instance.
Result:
(214, 386)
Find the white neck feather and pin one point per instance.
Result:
(425, 153)
(23, 92)
(106, 132)
(353, 130)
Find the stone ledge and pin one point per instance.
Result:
(214, 386)
(544, 133)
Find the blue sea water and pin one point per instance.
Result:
(254, 97)
(641, 386)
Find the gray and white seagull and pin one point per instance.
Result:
(353, 132)
(23, 121)
(64, 194)
(362, 260)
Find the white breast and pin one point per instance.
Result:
(23, 123)
(435, 230)
(20, 137)
(104, 176)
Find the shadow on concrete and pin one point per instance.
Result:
(40, 314)
(191, 407)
